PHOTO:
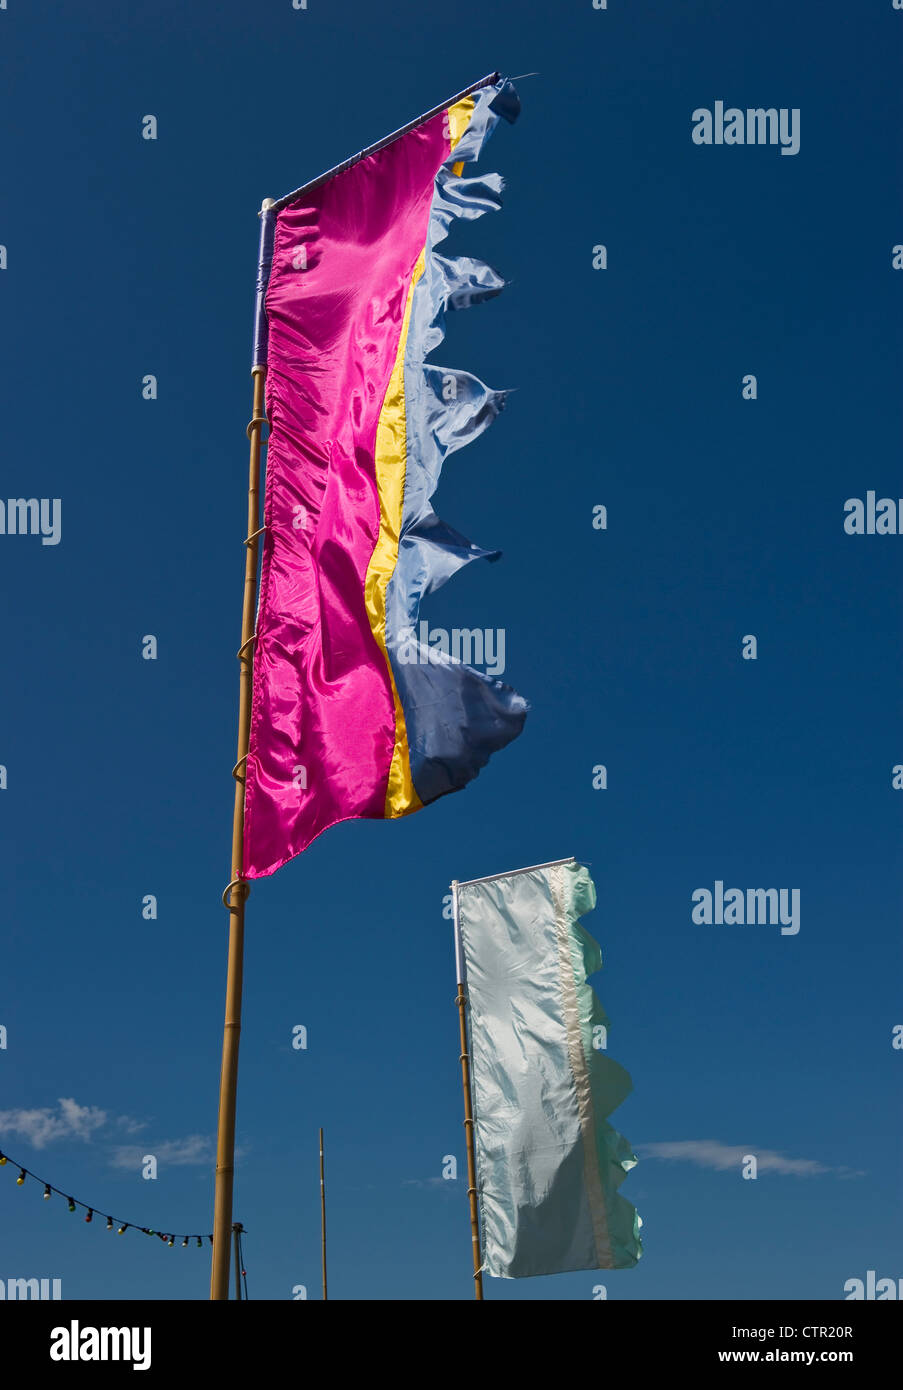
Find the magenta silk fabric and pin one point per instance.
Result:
(323, 717)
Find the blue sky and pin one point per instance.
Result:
(725, 518)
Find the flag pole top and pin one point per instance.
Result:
(488, 81)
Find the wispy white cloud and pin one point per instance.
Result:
(130, 1124)
(711, 1153)
(40, 1127)
(68, 1120)
(176, 1153)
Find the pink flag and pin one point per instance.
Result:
(353, 716)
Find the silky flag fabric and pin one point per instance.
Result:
(548, 1164)
(351, 715)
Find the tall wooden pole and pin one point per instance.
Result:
(461, 1002)
(323, 1210)
(237, 891)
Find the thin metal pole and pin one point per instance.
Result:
(461, 1002)
(238, 888)
(237, 1229)
(323, 1210)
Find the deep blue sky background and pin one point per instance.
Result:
(725, 518)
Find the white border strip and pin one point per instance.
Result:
(490, 878)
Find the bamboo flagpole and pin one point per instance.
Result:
(323, 1210)
(236, 893)
(461, 1002)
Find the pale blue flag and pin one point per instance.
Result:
(548, 1164)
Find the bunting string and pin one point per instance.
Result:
(168, 1237)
